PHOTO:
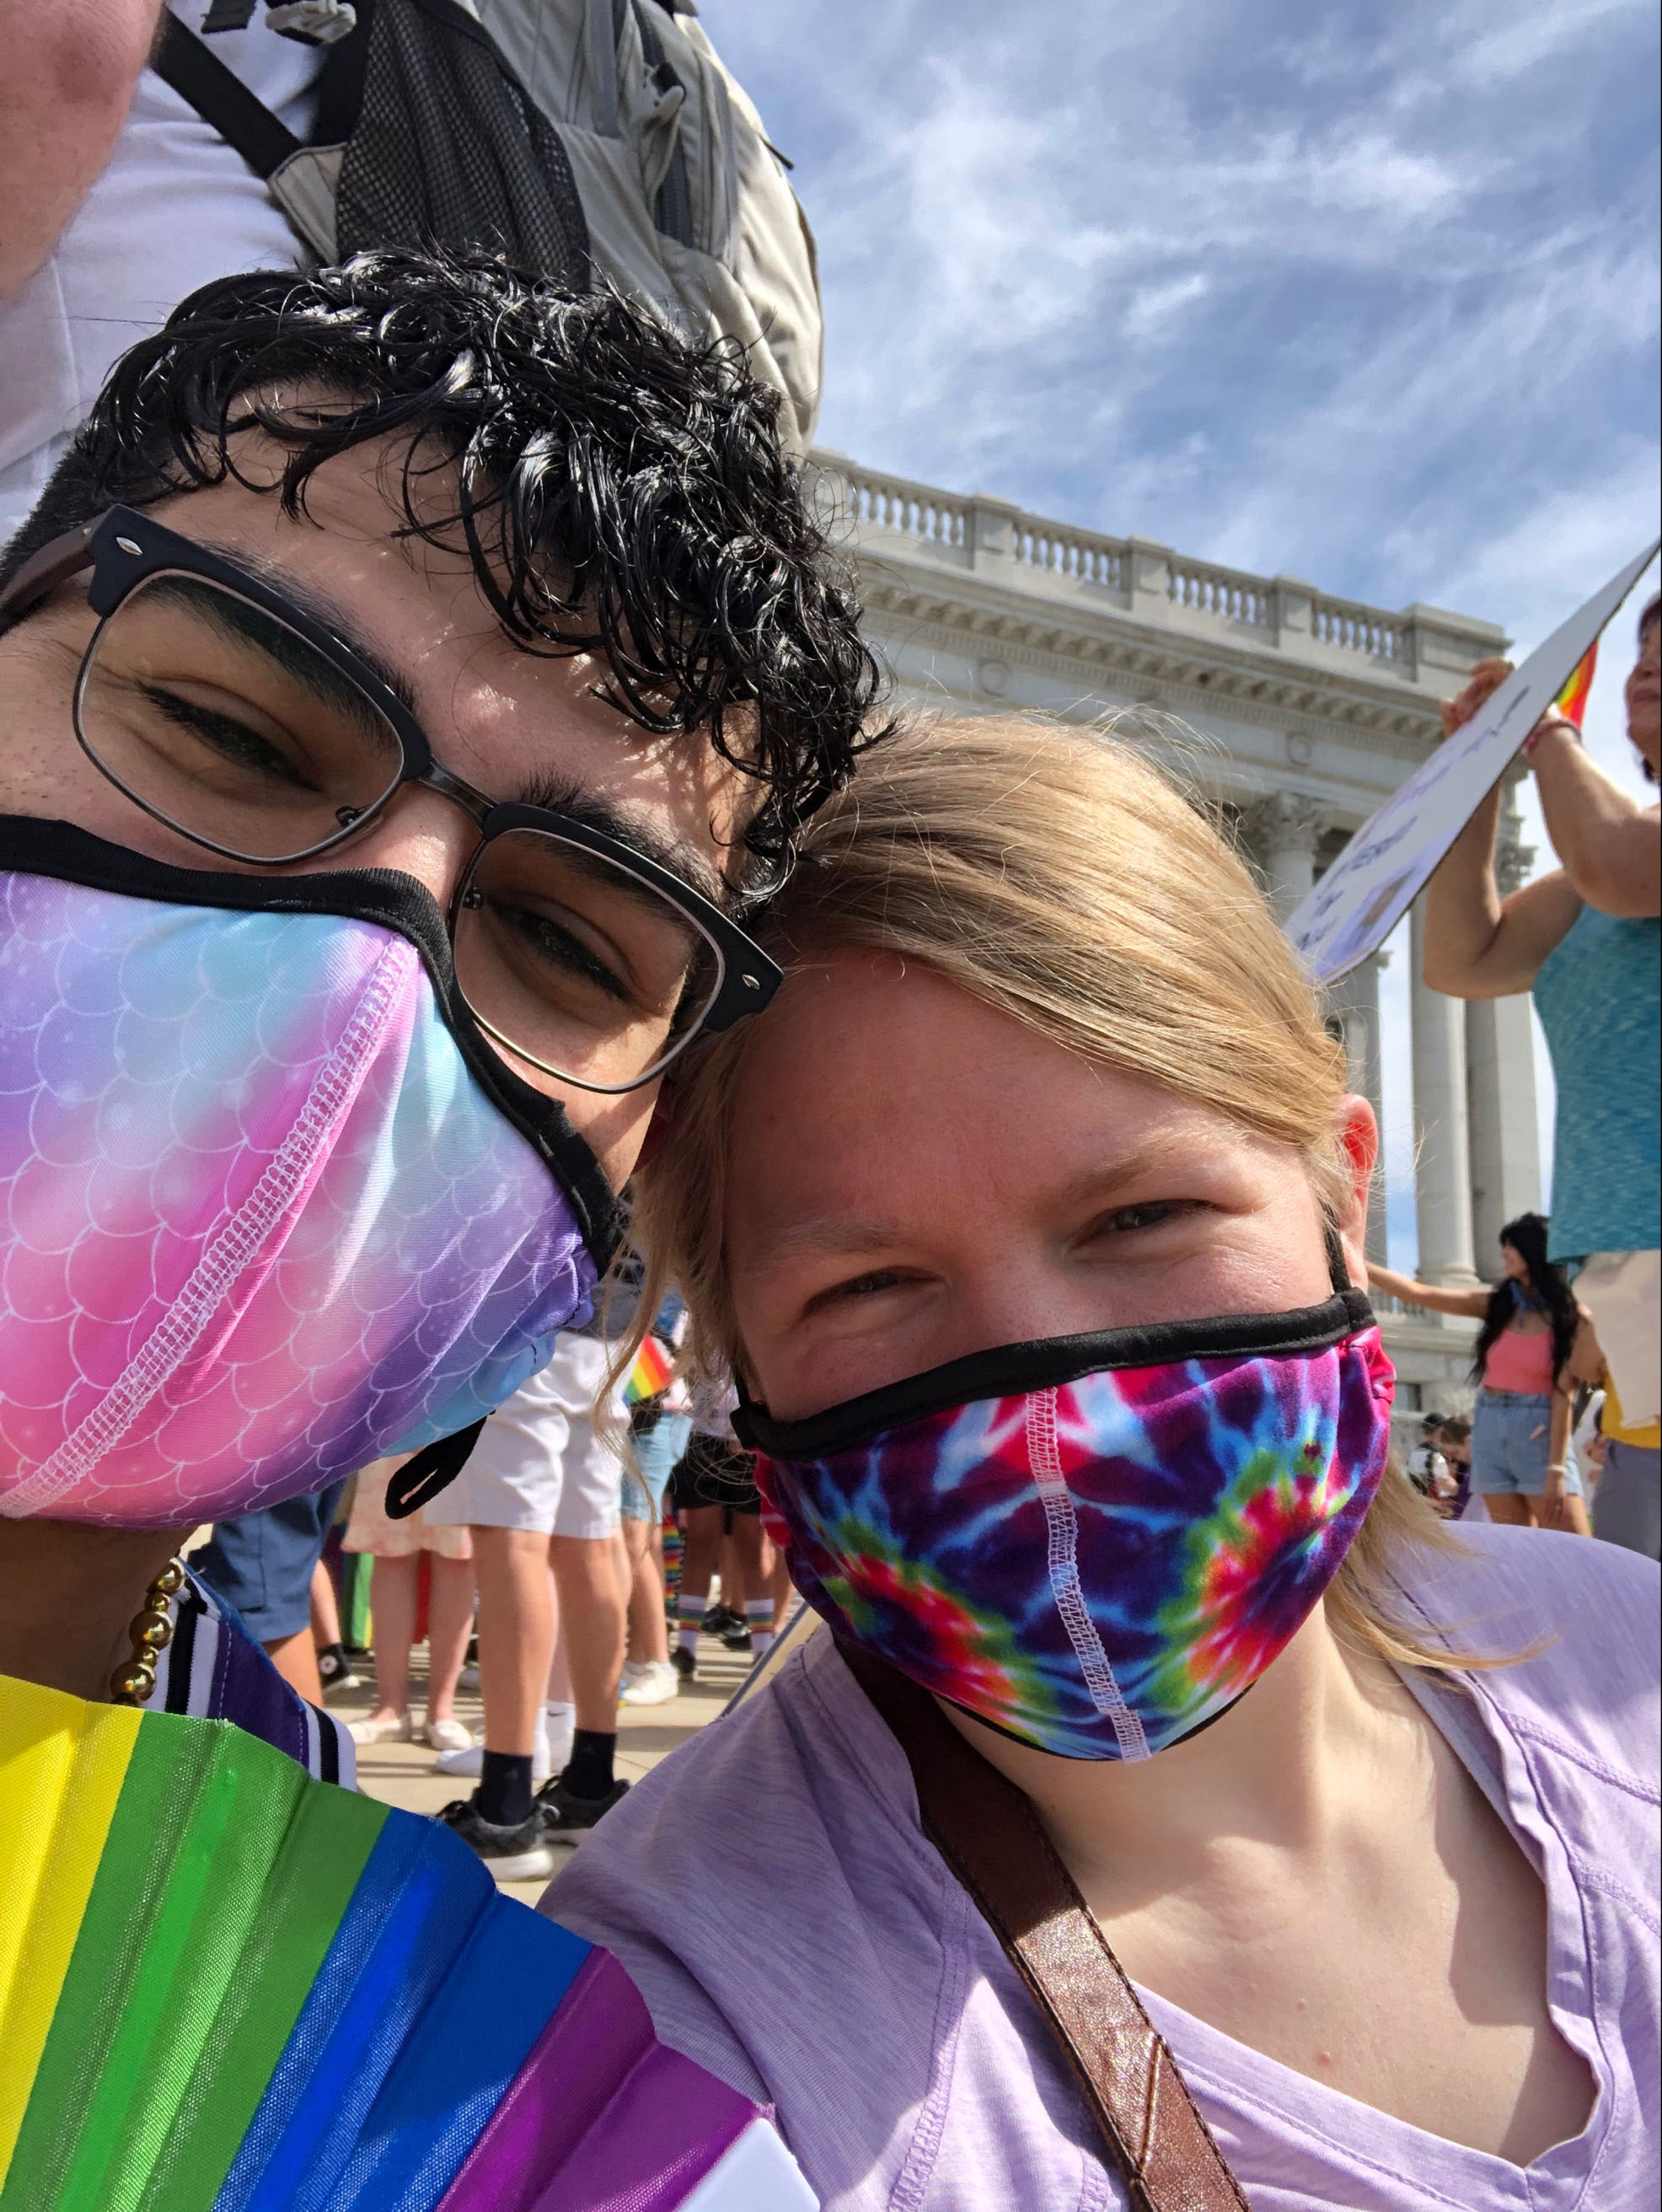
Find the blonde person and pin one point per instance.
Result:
(1031, 1219)
(1532, 1347)
(398, 1548)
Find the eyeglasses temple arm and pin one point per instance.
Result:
(43, 571)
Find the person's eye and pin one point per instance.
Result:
(234, 741)
(552, 946)
(1132, 1220)
(872, 1284)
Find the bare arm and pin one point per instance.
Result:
(1478, 945)
(66, 81)
(1473, 1304)
(1611, 846)
(1587, 1354)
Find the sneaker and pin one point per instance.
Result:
(467, 1679)
(448, 1736)
(471, 1760)
(564, 1815)
(683, 1662)
(654, 1683)
(521, 1854)
(736, 1639)
(397, 1728)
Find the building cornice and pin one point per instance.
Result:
(980, 578)
(1150, 665)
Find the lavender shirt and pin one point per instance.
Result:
(770, 1891)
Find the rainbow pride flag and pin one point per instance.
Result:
(651, 1374)
(1572, 700)
(225, 1987)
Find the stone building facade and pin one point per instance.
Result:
(1311, 709)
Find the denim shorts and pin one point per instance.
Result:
(262, 1562)
(657, 1450)
(1511, 1441)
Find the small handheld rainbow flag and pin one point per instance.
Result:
(225, 1987)
(651, 1375)
(1572, 700)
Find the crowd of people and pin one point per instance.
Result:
(506, 1040)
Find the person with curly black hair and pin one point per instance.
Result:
(408, 672)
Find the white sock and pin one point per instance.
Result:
(690, 1615)
(759, 1620)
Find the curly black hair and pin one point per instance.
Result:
(617, 488)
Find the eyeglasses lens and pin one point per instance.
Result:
(579, 966)
(230, 725)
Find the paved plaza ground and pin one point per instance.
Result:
(402, 1773)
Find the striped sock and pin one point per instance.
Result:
(759, 1620)
(689, 1617)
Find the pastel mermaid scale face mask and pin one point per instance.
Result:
(264, 1221)
(1093, 1544)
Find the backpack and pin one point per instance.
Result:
(584, 140)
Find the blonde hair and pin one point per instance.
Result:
(1060, 877)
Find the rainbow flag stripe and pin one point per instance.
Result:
(225, 1987)
(651, 1373)
(1572, 700)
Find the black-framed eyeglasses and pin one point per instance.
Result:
(238, 720)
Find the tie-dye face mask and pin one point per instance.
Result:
(272, 1209)
(1095, 1544)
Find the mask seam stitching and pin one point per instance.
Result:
(229, 1252)
(1062, 1526)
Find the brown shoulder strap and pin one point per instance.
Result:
(989, 1836)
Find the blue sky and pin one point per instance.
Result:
(1367, 294)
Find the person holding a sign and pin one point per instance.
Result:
(1586, 941)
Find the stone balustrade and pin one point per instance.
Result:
(892, 517)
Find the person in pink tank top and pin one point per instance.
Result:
(1534, 1344)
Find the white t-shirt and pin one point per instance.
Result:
(174, 208)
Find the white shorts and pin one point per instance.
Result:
(539, 1463)
(1623, 1291)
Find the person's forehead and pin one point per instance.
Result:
(871, 1084)
(519, 724)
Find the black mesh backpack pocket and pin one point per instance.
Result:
(448, 149)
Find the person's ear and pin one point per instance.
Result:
(1359, 1136)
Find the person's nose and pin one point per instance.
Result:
(418, 833)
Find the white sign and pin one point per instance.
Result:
(1372, 884)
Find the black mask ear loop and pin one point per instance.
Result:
(430, 1470)
(1336, 1268)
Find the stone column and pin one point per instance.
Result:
(1442, 1175)
(1353, 1005)
(1289, 827)
(1500, 1047)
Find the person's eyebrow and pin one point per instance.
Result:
(838, 1236)
(320, 608)
(628, 825)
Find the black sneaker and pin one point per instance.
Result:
(519, 1854)
(683, 1662)
(564, 1815)
(736, 1639)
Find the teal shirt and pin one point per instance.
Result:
(1599, 997)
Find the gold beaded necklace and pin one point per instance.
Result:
(134, 1682)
